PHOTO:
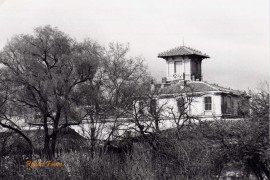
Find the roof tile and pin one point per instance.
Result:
(196, 87)
(180, 51)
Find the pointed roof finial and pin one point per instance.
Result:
(183, 42)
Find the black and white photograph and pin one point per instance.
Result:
(134, 90)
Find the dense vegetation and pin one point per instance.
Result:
(53, 82)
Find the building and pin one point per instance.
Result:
(182, 95)
(184, 86)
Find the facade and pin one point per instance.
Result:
(204, 100)
(182, 95)
(184, 82)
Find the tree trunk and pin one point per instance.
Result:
(93, 142)
(55, 132)
(157, 124)
(46, 148)
(255, 169)
(53, 143)
(92, 137)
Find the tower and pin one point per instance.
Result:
(183, 63)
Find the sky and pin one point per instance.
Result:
(234, 33)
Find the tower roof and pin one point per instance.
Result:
(182, 51)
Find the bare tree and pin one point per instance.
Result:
(118, 80)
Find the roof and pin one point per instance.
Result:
(181, 51)
(197, 87)
(67, 137)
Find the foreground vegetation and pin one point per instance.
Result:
(209, 150)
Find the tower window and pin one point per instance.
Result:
(208, 103)
(177, 66)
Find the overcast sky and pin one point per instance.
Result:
(234, 33)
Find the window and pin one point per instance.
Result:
(196, 67)
(127, 134)
(177, 67)
(153, 106)
(140, 107)
(208, 103)
(170, 68)
(181, 104)
(229, 104)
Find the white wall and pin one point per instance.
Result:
(168, 105)
(170, 68)
(187, 67)
(197, 107)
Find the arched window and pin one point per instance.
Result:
(153, 106)
(141, 106)
(181, 104)
(208, 103)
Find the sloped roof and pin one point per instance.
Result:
(181, 51)
(196, 87)
(67, 137)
